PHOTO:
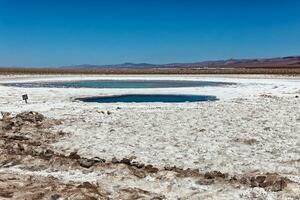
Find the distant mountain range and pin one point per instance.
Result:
(289, 61)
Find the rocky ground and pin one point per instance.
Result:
(31, 169)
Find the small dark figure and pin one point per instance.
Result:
(25, 97)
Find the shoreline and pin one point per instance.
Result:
(247, 85)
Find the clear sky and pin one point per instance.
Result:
(66, 32)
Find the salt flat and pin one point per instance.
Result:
(254, 127)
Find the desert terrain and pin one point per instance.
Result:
(246, 145)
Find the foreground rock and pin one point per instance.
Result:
(31, 169)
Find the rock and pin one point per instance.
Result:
(114, 160)
(8, 125)
(279, 185)
(208, 175)
(15, 148)
(234, 178)
(6, 194)
(253, 182)
(138, 172)
(31, 117)
(62, 133)
(260, 178)
(6, 116)
(74, 155)
(18, 137)
(17, 122)
(137, 164)
(205, 181)
(168, 168)
(55, 197)
(243, 180)
(131, 158)
(87, 163)
(214, 174)
(126, 161)
(21, 147)
(274, 183)
(47, 154)
(86, 185)
(100, 160)
(173, 168)
(187, 172)
(151, 169)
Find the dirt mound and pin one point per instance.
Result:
(31, 126)
(32, 117)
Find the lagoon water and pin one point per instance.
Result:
(121, 84)
(142, 98)
(128, 98)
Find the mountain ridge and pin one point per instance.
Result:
(287, 61)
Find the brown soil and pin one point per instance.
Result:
(284, 70)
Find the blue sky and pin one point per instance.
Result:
(62, 32)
